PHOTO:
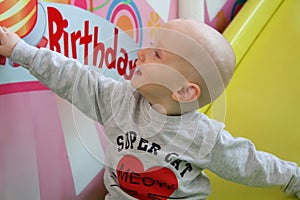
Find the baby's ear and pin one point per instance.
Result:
(188, 93)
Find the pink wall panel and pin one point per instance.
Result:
(40, 150)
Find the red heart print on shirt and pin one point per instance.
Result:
(155, 183)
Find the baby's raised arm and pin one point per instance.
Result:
(87, 89)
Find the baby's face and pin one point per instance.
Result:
(185, 51)
(159, 67)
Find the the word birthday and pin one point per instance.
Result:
(102, 54)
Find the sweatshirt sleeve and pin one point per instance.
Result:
(236, 159)
(87, 89)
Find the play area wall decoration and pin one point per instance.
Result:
(44, 141)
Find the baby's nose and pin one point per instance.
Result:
(141, 55)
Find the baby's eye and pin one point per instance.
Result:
(156, 54)
(155, 51)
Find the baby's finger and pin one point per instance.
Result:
(1, 31)
(4, 29)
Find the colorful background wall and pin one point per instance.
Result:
(217, 14)
(49, 150)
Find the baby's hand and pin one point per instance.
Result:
(8, 41)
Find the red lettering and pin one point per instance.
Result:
(98, 46)
(55, 19)
(86, 39)
(112, 52)
(74, 37)
(66, 44)
(132, 66)
(101, 53)
(122, 62)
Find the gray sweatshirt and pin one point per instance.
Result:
(150, 155)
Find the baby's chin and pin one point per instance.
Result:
(134, 83)
(135, 79)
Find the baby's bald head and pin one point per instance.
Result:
(209, 53)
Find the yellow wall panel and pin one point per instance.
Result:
(263, 99)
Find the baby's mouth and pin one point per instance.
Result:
(138, 72)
